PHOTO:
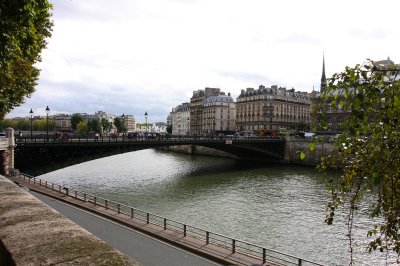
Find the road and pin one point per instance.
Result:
(142, 248)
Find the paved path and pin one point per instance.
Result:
(144, 249)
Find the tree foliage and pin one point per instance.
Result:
(94, 125)
(25, 124)
(368, 151)
(24, 27)
(82, 128)
(75, 120)
(107, 126)
(119, 124)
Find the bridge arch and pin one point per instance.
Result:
(39, 157)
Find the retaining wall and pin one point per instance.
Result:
(32, 233)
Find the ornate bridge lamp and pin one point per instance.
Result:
(123, 126)
(145, 116)
(188, 126)
(31, 114)
(47, 119)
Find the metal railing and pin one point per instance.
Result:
(141, 139)
(234, 245)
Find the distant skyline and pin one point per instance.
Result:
(133, 56)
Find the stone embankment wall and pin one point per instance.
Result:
(293, 149)
(31, 233)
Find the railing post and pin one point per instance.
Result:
(76, 194)
(34, 180)
(84, 197)
(147, 218)
(184, 230)
(119, 208)
(95, 200)
(40, 182)
(165, 224)
(105, 201)
(233, 245)
(207, 237)
(264, 255)
(46, 184)
(59, 188)
(300, 262)
(52, 186)
(131, 212)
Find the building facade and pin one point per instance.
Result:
(272, 109)
(62, 122)
(197, 102)
(219, 115)
(181, 119)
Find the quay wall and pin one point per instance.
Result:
(293, 149)
(32, 233)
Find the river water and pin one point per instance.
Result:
(279, 207)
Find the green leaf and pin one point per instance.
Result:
(302, 156)
(312, 147)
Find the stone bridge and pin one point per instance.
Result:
(39, 156)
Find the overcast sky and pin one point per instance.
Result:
(132, 56)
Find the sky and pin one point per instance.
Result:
(137, 56)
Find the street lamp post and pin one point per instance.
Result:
(123, 126)
(145, 116)
(47, 119)
(31, 114)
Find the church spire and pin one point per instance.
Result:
(323, 77)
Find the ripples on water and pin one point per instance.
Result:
(277, 206)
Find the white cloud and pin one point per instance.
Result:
(131, 56)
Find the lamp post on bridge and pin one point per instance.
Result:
(31, 114)
(47, 119)
(145, 116)
(123, 126)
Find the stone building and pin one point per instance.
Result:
(196, 108)
(62, 122)
(181, 119)
(219, 114)
(129, 123)
(206, 105)
(271, 109)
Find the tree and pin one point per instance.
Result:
(24, 27)
(75, 120)
(106, 125)
(94, 125)
(368, 150)
(119, 124)
(82, 127)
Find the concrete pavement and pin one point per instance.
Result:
(144, 249)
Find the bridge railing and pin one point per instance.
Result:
(234, 245)
(138, 139)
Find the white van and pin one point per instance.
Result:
(309, 135)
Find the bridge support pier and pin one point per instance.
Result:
(7, 152)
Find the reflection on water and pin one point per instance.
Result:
(277, 206)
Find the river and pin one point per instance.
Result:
(280, 207)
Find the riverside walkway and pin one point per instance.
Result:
(31, 233)
(219, 248)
